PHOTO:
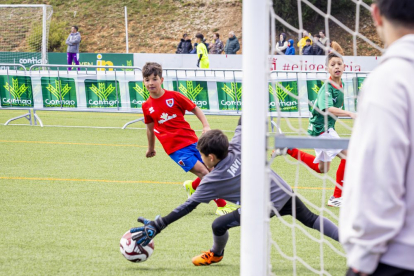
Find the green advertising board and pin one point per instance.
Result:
(313, 90)
(138, 93)
(283, 93)
(59, 92)
(102, 93)
(16, 91)
(357, 84)
(196, 91)
(95, 59)
(229, 95)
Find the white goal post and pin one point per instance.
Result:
(24, 28)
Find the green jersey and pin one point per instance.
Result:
(327, 97)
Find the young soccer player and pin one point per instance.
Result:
(202, 53)
(224, 181)
(330, 99)
(164, 116)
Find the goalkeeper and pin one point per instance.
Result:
(225, 182)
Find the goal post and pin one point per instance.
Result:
(25, 33)
(255, 184)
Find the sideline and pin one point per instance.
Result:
(119, 181)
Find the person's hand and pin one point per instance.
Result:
(143, 235)
(150, 153)
(198, 64)
(352, 115)
(205, 129)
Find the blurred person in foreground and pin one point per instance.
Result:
(377, 218)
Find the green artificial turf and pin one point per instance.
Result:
(68, 194)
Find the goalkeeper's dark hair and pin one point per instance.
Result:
(331, 56)
(400, 12)
(152, 68)
(214, 142)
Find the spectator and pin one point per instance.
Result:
(194, 51)
(290, 49)
(323, 39)
(316, 49)
(377, 217)
(307, 49)
(302, 42)
(202, 54)
(335, 46)
(282, 45)
(232, 45)
(217, 46)
(73, 41)
(205, 43)
(184, 47)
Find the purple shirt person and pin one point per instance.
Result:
(73, 42)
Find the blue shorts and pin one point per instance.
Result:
(187, 157)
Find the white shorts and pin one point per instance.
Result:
(327, 155)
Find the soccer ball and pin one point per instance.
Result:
(134, 252)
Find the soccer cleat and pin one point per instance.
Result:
(221, 211)
(335, 201)
(279, 152)
(188, 186)
(207, 258)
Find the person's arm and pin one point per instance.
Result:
(221, 47)
(68, 41)
(285, 45)
(235, 143)
(374, 208)
(338, 112)
(200, 115)
(151, 141)
(237, 46)
(179, 48)
(77, 39)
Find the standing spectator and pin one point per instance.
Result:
(282, 45)
(316, 49)
(323, 39)
(202, 53)
(335, 46)
(290, 49)
(232, 45)
(217, 46)
(377, 217)
(307, 49)
(184, 47)
(73, 41)
(194, 51)
(302, 42)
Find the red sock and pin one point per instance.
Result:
(340, 178)
(220, 202)
(305, 158)
(196, 182)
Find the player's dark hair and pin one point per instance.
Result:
(76, 27)
(214, 142)
(217, 34)
(151, 68)
(200, 36)
(331, 56)
(397, 11)
(308, 40)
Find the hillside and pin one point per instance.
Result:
(157, 26)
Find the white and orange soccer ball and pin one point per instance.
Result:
(134, 252)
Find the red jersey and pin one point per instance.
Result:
(170, 127)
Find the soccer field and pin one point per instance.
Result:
(68, 194)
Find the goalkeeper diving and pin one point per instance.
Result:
(224, 181)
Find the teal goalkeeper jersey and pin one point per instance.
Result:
(328, 96)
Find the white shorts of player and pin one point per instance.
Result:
(327, 155)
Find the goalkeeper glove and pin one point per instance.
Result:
(143, 235)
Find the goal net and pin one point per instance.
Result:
(285, 246)
(24, 33)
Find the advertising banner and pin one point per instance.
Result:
(59, 92)
(313, 90)
(16, 91)
(283, 93)
(196, 91)
(102, 93)
(229, 95)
